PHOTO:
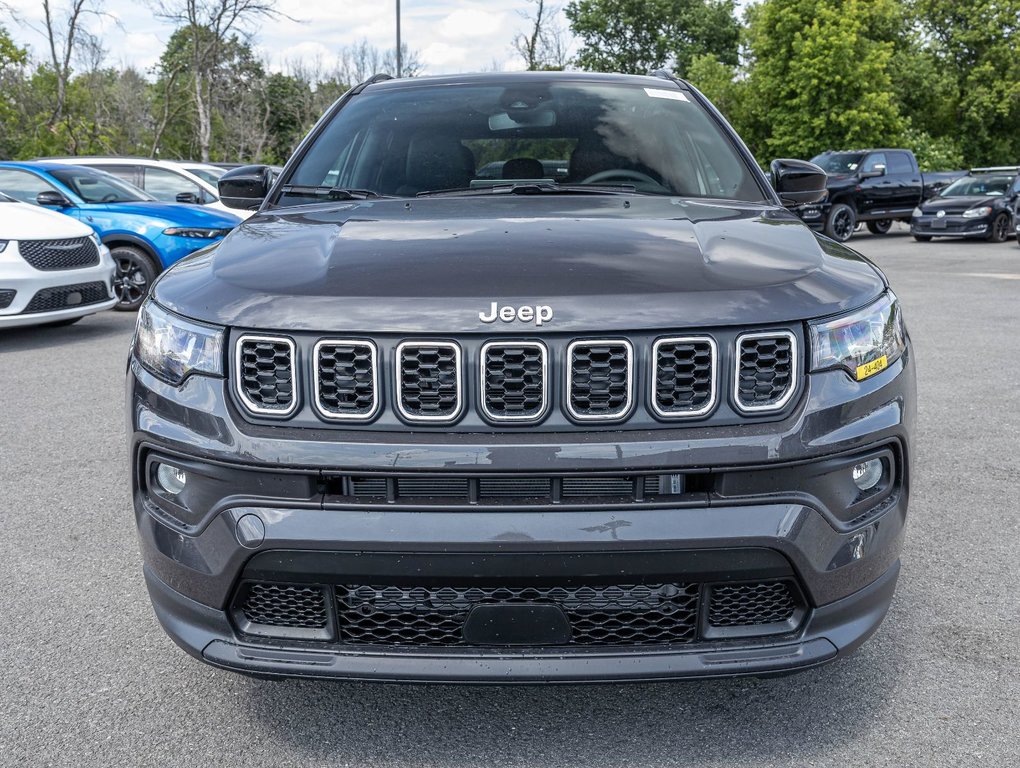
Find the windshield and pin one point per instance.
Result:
(838, 163)
(94, 186)
(978, 186)
(422, 138)
(210, 175)
(5, 199)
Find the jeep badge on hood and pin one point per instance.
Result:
(540, 313)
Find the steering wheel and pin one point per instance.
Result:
(110, 198)
(620, 173)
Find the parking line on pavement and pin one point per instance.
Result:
(994, 275)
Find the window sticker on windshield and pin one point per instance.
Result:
(659, 93)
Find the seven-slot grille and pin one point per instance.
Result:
(766, 370)
(513, 379)
(514, 376)
(346, 376)
(685, 376)
(600, 379)
(428, 381)
(49, 255)
(265, 374)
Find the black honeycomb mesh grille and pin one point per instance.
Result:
(600, 380)
(514, 381)
(766, 367)
(266, 374)
(285, 605)
(733, 605)
(52, 255)
(67, 296)
(7, 297)
(346, 376)
(429, 381)
(683, 376)
(625, 615)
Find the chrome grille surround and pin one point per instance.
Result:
(361, 414)
(399, 390)
(681, 413)
(776, 404)
(483, 401)
(239, 388)
(619, 413)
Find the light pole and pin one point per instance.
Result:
(399, 56)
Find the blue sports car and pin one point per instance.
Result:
(144, 236)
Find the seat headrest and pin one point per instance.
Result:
(523, 168)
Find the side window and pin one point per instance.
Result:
(128, 173)
(22, 185)
(166, 185)
(900, 163)
(1015, 189)
(874, 161)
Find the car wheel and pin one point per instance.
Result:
(999, 230)
(923, 238)
(841, 222)
(879, 226)
(135, 273)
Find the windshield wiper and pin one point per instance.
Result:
(331, 193)
(536, 188)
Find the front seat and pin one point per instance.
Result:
(436, 162)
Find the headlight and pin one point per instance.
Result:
(917, 212)
(973, 213)
(862, 344)
(172, 348)
(197, 232)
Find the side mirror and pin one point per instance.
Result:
(188, 197)
(876, 170)
(245, 187)
(797, 182)
(52, 199)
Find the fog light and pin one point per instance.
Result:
(868, 474)
(172, 480)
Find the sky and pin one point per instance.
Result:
(449, 35)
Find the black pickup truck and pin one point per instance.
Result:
(874, 186)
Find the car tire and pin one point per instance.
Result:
(135, 273)
(880, 226)
(999, 230)
(923, 238)
(840, 223)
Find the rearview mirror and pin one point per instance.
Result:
(797, 182)
(52, 199)
(246, 187)
(188, 197)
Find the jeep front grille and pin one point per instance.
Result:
(265, 375)
(346, 376)
(766, 371)
(514, 380)
(429, 381)
(685, 376)
(51, 255)
(600, 379)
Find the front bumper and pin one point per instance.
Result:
(845, 569)
(951, 226)
(17, 276)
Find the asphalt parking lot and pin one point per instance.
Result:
(88, 678)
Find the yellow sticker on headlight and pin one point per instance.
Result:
(870, 369)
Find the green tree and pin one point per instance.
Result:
(12, 64)
(820, 75)
(636, 36)
(975, 48)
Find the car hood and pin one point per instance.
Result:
(21, 221)
(432, 265)
(956, 205)
(180, 214)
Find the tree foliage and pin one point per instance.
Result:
(637, 36)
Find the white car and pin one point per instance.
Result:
(53, 269)
(165, 180)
